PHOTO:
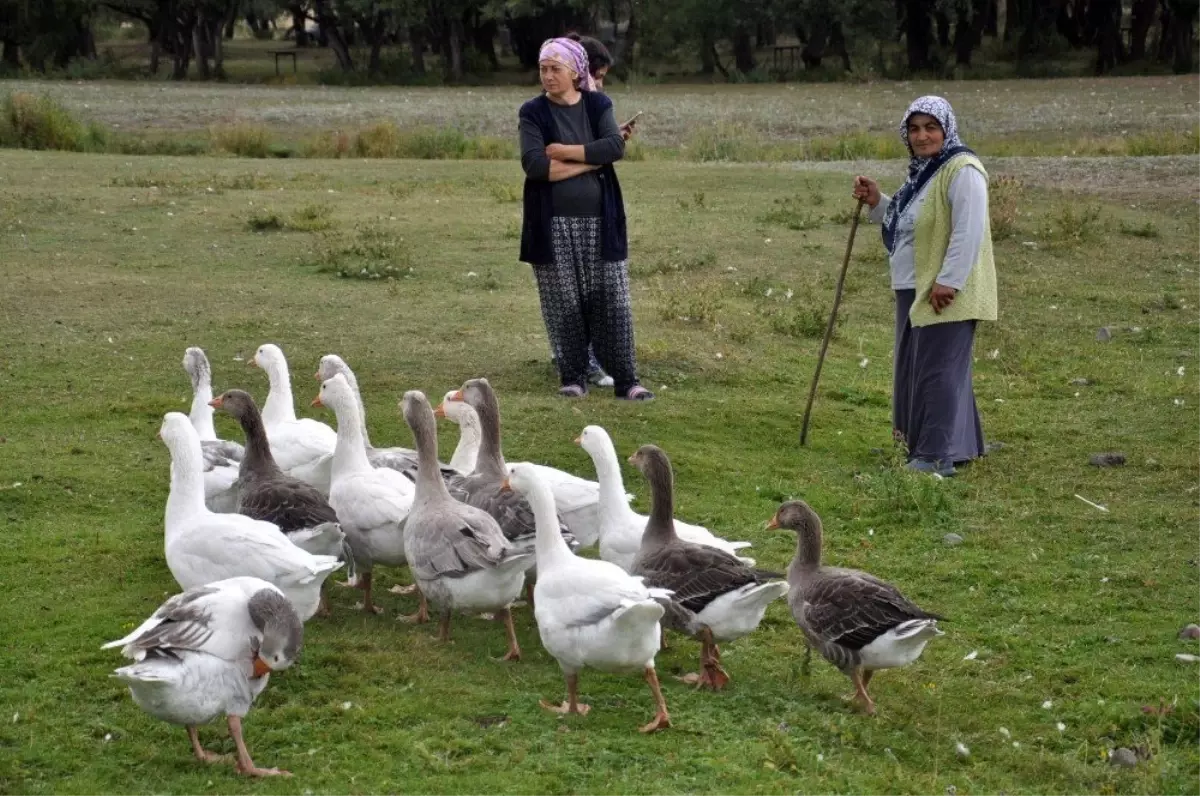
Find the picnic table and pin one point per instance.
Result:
(277, 53)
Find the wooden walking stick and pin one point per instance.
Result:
(837, 299)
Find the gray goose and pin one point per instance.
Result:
(458, 553)
(858, 622)
(267, 493)
(484, 488)
(717, 597)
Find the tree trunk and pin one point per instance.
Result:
(837, 43)
(1013, 23)
(943, 28)
(12, 55)
(965, 34)
(1105, 20)
(299, 24)
(991, 18)
(630, 45)
(708, 59)
(1178, 36)
(743, 50)
(1143, 18)
(917, 32)
(230, 26)
(200, 44)
(331, 31)
(454, 63)
(814, 47)
(219, 43)
(483, 36)
(416, 43)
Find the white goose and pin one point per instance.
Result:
(393, 458)
(303, 448)
(578, 499)
(621, 527)
(372, 503)
(202, 547)
(589, 613)
(211, 650)
(221, 457)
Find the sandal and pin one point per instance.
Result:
(572, 391)
(637, 393)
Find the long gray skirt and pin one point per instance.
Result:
(933, 402)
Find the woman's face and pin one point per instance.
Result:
(556, 78)
(599, 76)
(925, 135)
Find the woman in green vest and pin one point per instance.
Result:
(939, 243)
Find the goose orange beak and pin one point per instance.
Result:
(506, 486)
(253, 363)
(317, 402)
(773, 523)
(440, 411)
(216, 403)
(317, 375)
(579, 440)
(260, 667)
(456, 396)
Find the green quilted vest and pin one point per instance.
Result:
(931, 235)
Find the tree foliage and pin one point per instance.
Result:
(719, 36)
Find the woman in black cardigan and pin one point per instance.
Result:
(573, 233)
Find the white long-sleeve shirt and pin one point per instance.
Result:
(968, 218)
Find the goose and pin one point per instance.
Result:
(620, 526)
(208, 651)
(267, 493)
(589, 613)
(372, 504)
(716, 597)
(221, 457)
(577, 500)
(482, 488)
(858, 622)
(302, 447)
(393, 458)
(458, 553)
(202, 546)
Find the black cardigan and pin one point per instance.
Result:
(536, 247)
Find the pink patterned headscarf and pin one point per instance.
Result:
(570, 54)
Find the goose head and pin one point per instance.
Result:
(282, 631)
(195, 363)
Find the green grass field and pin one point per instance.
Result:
(113, 265)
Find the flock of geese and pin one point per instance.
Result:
(253, 531)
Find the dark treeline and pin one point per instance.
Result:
(719, 37)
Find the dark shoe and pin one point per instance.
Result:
(944, 469)
(636, 393)
(572, 391)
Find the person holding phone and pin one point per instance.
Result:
(938, 237)
(573, 228)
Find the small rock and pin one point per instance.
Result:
(952, 539)
(1104, 334)
(1107, 459)
(1122, 757)
(1080, 382)
(1190, 632)
(962, 750)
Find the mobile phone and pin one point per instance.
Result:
(634, 119)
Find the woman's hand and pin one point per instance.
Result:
(867, 190)
(941, 297)
(627, 130)
(563, 153)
